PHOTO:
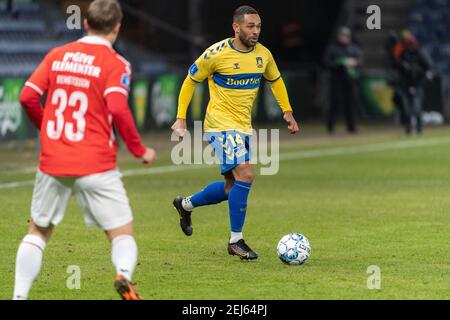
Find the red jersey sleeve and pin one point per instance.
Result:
(39, 81)
(31, 102)
(119, 78)
(123, 121)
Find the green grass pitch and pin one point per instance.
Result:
(388, 206)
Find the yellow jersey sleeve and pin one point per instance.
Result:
(281, 95)
(203, 67)
(271, 73)
(185, 97)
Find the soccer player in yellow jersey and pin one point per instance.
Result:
(234, 68)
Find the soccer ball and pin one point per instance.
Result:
(294, 248)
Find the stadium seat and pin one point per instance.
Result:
(437, 4)
(429, 21)
(3, 7)
(416, 17)
(25, 7)
(35, 26)
(433, 16)
(28, 47)
(445, 51)
(421, 3)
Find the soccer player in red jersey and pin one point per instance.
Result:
(87, 85)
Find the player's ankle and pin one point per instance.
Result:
(187, 204)
(235, 237)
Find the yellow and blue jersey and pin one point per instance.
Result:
(234, 77)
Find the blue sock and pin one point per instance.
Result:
(211, 194)
(237, 203)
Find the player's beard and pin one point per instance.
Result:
(246, 41)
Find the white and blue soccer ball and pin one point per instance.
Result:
(294, 248)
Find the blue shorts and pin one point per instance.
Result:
(230, 147)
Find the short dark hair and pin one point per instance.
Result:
(241, 11)
(104, 15)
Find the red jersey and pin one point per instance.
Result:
(76, 131)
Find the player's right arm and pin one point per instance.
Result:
(184, 99)
(34, 88)
(199, 71)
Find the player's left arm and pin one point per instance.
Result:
(116, 97)
(281, 95)
(273, 75)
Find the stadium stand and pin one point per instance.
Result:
(25, 36)
(394, 17)
(30, 28)
(430, 22)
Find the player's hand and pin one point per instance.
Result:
(292, 124)
(149, 156)
(179, 127)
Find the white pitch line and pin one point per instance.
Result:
(367, 148)
(162, 169)
(12, 185)
(25, 170)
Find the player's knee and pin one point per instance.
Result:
(120, 231)
(245, 173)
(248, 177)
(42, 232)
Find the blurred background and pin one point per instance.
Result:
(403, 69)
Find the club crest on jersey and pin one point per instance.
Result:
(236, 66)
(259, 62)
(125, 80)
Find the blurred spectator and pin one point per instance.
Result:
(394, 81)
(343, 58)
(414, 69)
